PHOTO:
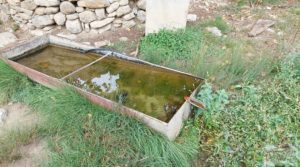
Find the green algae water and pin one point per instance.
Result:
(154, 91)
(57, 61)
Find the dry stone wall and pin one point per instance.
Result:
(75, 15)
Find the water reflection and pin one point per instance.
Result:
(107, 83)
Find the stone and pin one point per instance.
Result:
(123, 39)
(47, 2)
(13, 2)
(40, 11)
(214, 30)
(60, 19)
(113, 7)
(4, 17)
(93, 4)
(24, 16)
(100, 13)
(141, 16)
(3, 115)
(87, 16)
(123, 2)
(101, 23)
(7, 38)
(42, 21)
(48, 28)
(113, 14)
(123, 10)
(72, 16)
(28, 4)
(118, 21)
(12, 11)
(105, 28)
(79, 9)
(260, 26)
(51, 10)
(141, 4)
(129, 16)
(30, 26)
(191, 17)
(117, 25)
(67, 7)
(128, 24)
(21, 10)
(74, 26)
(100, 44)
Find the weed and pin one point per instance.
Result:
(1, 22)
(219, 23)
(170, 45)
(15, 27)
(253, 3)
(259, 124)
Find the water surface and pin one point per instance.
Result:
(154, 91)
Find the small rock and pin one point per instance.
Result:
(105, 28)
(123, 39)
(93, 4)
(141, 16)
(79, 9)
(215, 31)
(67, 7)
(4, 17)
(102, 23)
(72, 16)
(60, 19)
(24, 16)
(141, 4)
(40, 11)
(74, 26)
(48, 28)
(51, 10)
(260, 26)
(100, 13)
(87, 43)
(128, 24)
(191, 17)
(3, 115)
(47, 2)
(87, 16)
(7, 38)
(113, 14)
(28, 4)
(123, 10)
(113, 7)
(129, 16)
(42, 21)
(102, 43)
(123, 2)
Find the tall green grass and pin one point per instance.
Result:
(82, 134)
(224, 61)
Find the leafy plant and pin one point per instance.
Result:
(169, 45)
(15, 27)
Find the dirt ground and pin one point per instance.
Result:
(19, 117)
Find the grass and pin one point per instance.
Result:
(256, 125)
(83, 134)
(256, 2)
(224, 61)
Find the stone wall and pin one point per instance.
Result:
(75, 15)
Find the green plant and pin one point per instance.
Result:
(253, 3)
(15, 27)
(219, 23)
(259, 125)
(169, 45)
(11, 82)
